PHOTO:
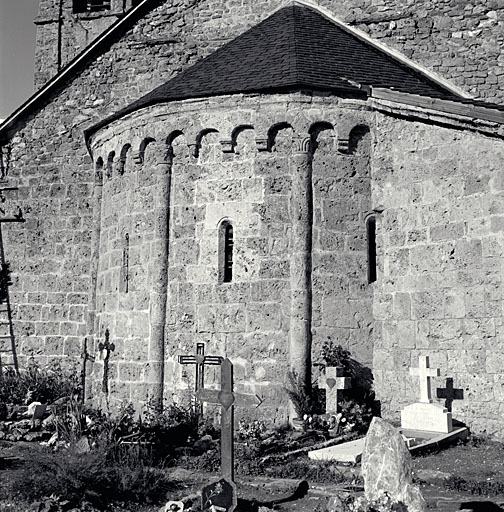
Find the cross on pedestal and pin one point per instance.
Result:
(450, 393)
(200, 360)
(424, 373)
(334, 383)
(222, 493)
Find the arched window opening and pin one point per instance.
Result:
(82, 6)
(226, 243)
(371, 248)
(110, 163)
(357, 135)
(99, 170)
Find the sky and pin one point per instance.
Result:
(17, 50)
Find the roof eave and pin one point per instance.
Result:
(484, 113)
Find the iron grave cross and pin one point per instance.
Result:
(225, 488)
(425, 373)
(200, 360)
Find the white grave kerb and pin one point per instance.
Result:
(425, 373)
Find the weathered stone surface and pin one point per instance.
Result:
(386, 467)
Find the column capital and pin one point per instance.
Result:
(301, 144)
(98, 181)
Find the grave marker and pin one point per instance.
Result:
(106, 348)
(334, 383)
(200, 360)
(424, 373)
(221, 495)
(425, 415)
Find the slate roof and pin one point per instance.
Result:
(296, 47)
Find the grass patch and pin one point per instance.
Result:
(99, 477)
(478, 488)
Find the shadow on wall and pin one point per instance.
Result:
(362, 386)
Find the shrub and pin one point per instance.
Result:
(99, 477)
(306, 399)
(336, 355)
(35, 384)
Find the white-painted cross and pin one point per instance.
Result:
(425, 373)
(334, 384)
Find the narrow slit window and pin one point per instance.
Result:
(228, 254)
(124, 275)
(226, 244)
(371, 248)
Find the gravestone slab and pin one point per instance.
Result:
(431, 417)
(387, 468)
(350, 452)
(219, 496)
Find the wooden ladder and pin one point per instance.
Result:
(8, 356)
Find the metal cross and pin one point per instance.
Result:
(108, 347)
(227, 400)
(425, 373)
(200, 360)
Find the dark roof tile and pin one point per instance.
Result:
(295, 47)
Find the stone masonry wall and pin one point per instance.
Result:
(63, 34)
(342, 296)
(441, 246)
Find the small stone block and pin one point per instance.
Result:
(345, 452)
(431, 417)
(39, 412)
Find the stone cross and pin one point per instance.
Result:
(221, 495)
(200, 360)
(424, 373)
(450, 393)
(334, 383)
(108, 348)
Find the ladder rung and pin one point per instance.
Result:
(5, 336)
